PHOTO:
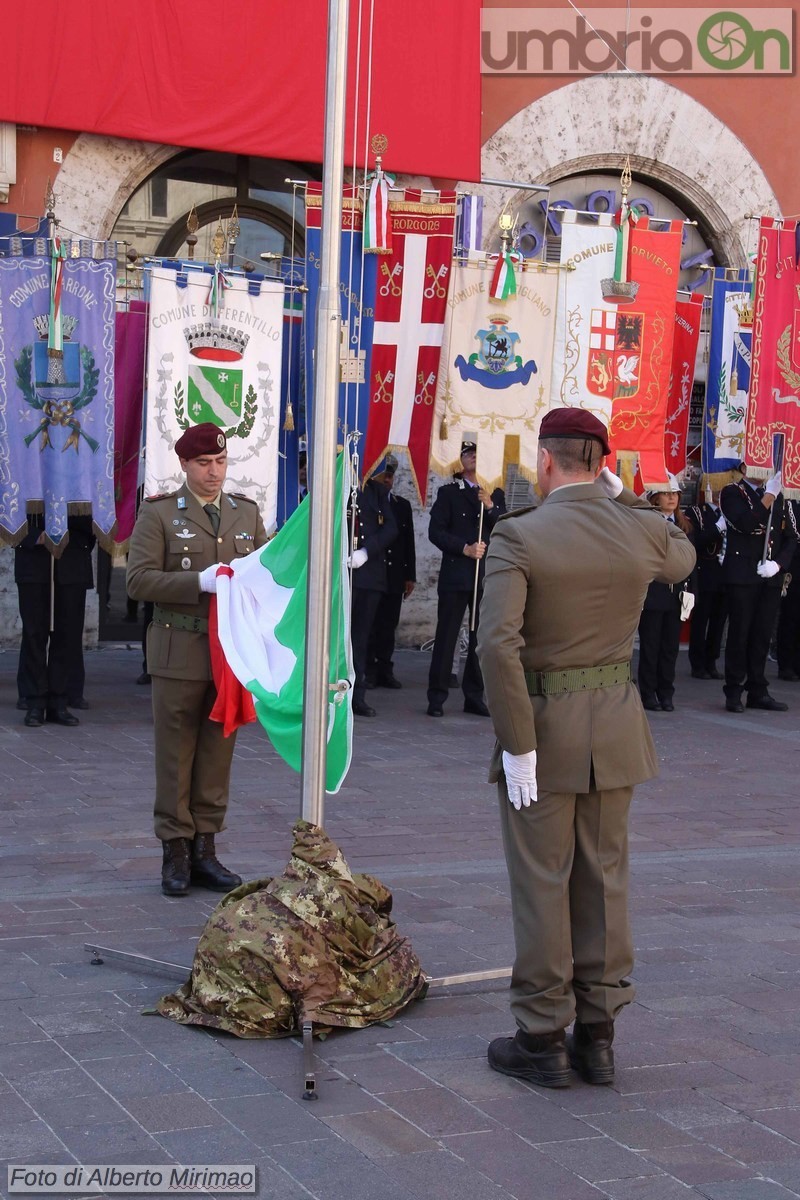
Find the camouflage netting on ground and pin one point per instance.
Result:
(317, 942)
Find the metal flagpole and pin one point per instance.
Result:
(323, 444)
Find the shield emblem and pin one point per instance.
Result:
(602, 342)
(497, 345)
(628, 353)
(57, 370)
(215, 394)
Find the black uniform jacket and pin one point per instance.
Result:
(74, 567)
(747, 526)
(375, 531)
(401, 555)
(454, 524)
(707, 541)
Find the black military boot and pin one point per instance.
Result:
(590, 1051)
(176, 867)
(207, 870)
(539, 1058)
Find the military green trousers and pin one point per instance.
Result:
(567, 858)
(193, 759)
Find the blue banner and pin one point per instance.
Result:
(56, 405)
(728, 380)
(357, 283)
(292, 441)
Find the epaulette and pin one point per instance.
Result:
(240, 496)
(160, 496)
(517, 512)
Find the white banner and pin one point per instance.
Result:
(583, 371)
(494, 376)
(225, 369)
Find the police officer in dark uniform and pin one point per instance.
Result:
(753, 586)
(51, 670)
(453, 529)
(401, 570)
(788, 638)
(374, 530)
(710, 611)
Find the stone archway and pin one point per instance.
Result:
(671, 139)
(98, 175)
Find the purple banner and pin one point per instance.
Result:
(129, 388)
(56, 406)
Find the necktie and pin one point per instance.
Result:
(213, 516)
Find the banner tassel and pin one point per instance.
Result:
(288, 420)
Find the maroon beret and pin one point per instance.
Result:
(574, 423)
(206, 438)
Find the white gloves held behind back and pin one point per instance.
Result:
(520, 773)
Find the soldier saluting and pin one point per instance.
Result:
(177, 543)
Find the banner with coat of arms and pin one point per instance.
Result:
(728, 383)
(641, 345)
(495, 373)
(410, 306)
(585, 341)
(774, 405)
(688, 315)
(218, 362)
(56, 393)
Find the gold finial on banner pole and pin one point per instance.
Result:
(192, 225)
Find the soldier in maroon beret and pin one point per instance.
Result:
(177, 543)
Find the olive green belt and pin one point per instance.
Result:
(175, 620)
(579, 679)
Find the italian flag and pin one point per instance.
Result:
(261, 624)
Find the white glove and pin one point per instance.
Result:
(208, 578)
(774, 485)
(357, 558)
(520, 773)
(610, 483)
(722, 524)
(767, 569)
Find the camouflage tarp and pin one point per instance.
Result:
(316, 942)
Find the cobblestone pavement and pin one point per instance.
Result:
(707, 1096)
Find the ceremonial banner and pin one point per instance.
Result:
(728, 382)
(774, 405)
(688, 314)
(410, 310)
(225, 369)
(494, 378)
(293, 414)
(469, 226)
(56, 404)
(129, 343)
(583, 357)
(357, 275)
(643, 337)
(261, 622)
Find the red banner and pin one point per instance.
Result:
(644, 336)
(774, 405)
(410, 306)
(249, 78)
(684, 357)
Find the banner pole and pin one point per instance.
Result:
(322, 449)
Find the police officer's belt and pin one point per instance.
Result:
(176, 620)
(579, 679)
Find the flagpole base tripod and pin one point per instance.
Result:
(144, 962)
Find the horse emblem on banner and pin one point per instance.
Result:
(215, 389)
(496, 364)
(57, 384)
(615, 353)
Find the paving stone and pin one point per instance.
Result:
(598, 1158)
(438, 1112)
(749, 1143)
(697, 1164)
(439, 1175)
(638, 1130)
(750, 1189)
(517, 1166)
(271, 1120)
(380, 1132)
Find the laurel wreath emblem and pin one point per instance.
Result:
(242, 430)
(791, 377)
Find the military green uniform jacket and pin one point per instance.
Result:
(564, 589)
(173, 540)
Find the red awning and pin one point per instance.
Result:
(249, 77)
